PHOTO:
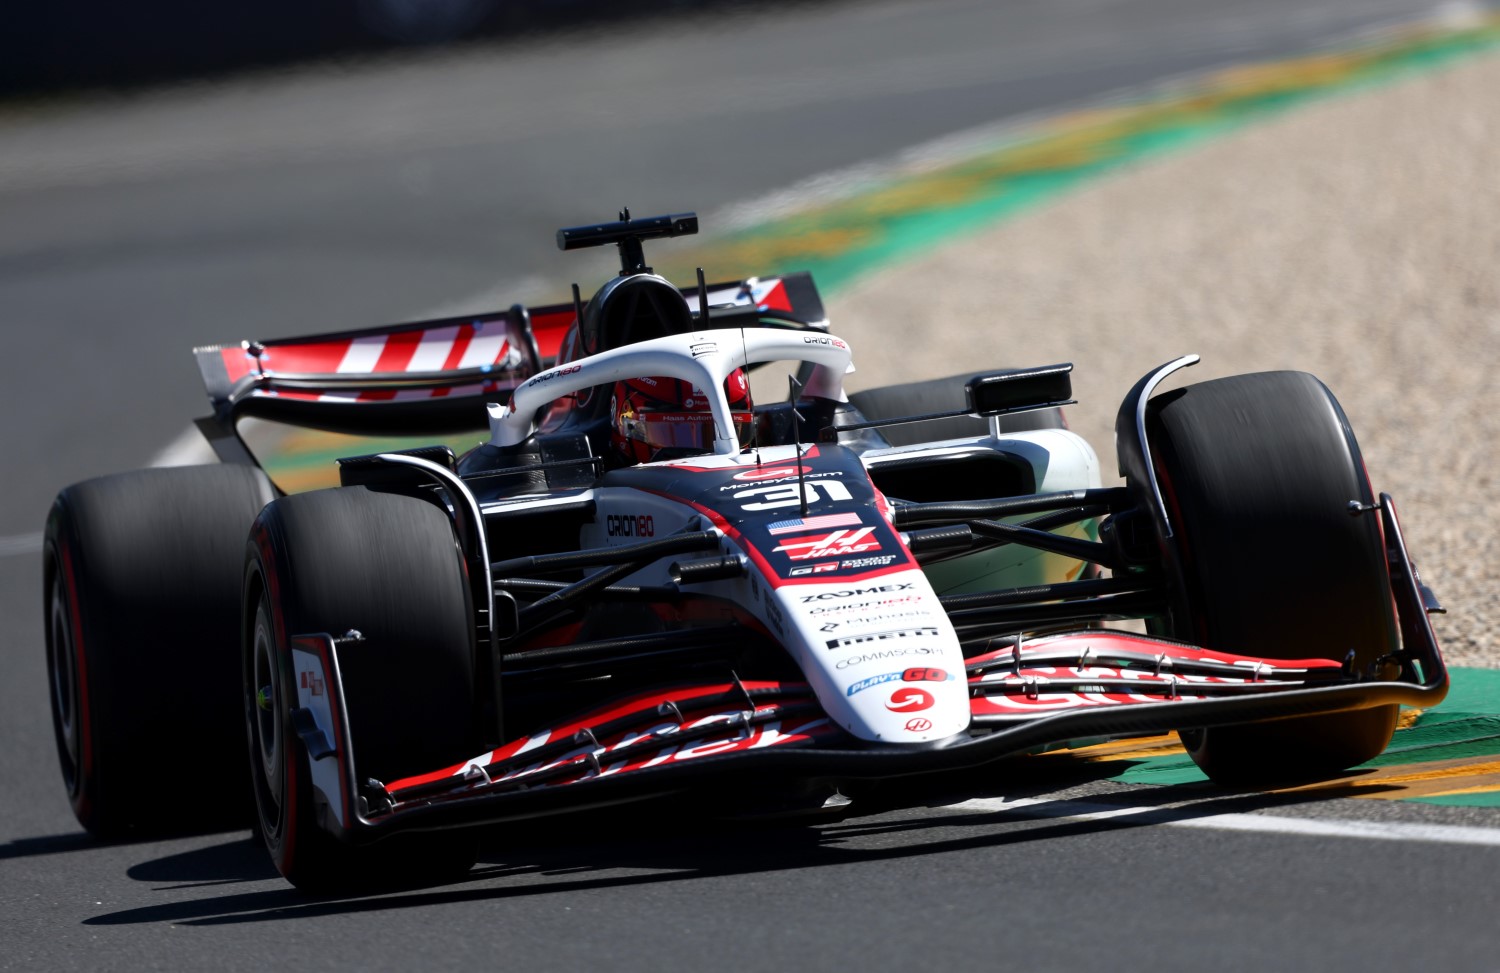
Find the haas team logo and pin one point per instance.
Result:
(909, 699)
(836, 544)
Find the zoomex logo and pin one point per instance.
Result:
(856, 592)
(626, 525)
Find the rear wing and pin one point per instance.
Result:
(427, 377)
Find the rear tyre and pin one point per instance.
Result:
(1258, 471)
(940, 395)
(141, 575)
(388, 566)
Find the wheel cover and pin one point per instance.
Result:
(62, 679)
(264, 709)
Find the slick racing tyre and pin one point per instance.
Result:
(141, 575)
(1257, 472)
(389, 567)
(940, 395)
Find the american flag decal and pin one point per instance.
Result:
(820, 522)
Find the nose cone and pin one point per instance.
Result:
(907, 704)
(882, 656)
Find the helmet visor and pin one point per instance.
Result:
(687, 431)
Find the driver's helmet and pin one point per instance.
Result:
(666, 418)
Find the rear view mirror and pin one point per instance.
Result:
(1020, 390)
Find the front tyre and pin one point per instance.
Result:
(1257, 472)
(389, 567)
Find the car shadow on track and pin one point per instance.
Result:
(625, 848)
(228, 863)
(42, 846)
(52, 844)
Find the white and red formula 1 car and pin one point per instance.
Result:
(642, 584)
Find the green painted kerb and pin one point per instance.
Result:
(885, 223)
(1465, 724)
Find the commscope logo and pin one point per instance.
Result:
(884, 654)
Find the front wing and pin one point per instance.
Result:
(1026, 694)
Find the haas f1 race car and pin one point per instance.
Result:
(643, 585)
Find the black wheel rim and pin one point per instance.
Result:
(62, 678)
(264, 710)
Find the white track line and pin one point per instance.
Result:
(1183, 816)
(20, 544)
(188, 449)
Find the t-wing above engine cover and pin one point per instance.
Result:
(995, 394)
(1019, 389)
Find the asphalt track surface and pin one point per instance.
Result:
(131, 230)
